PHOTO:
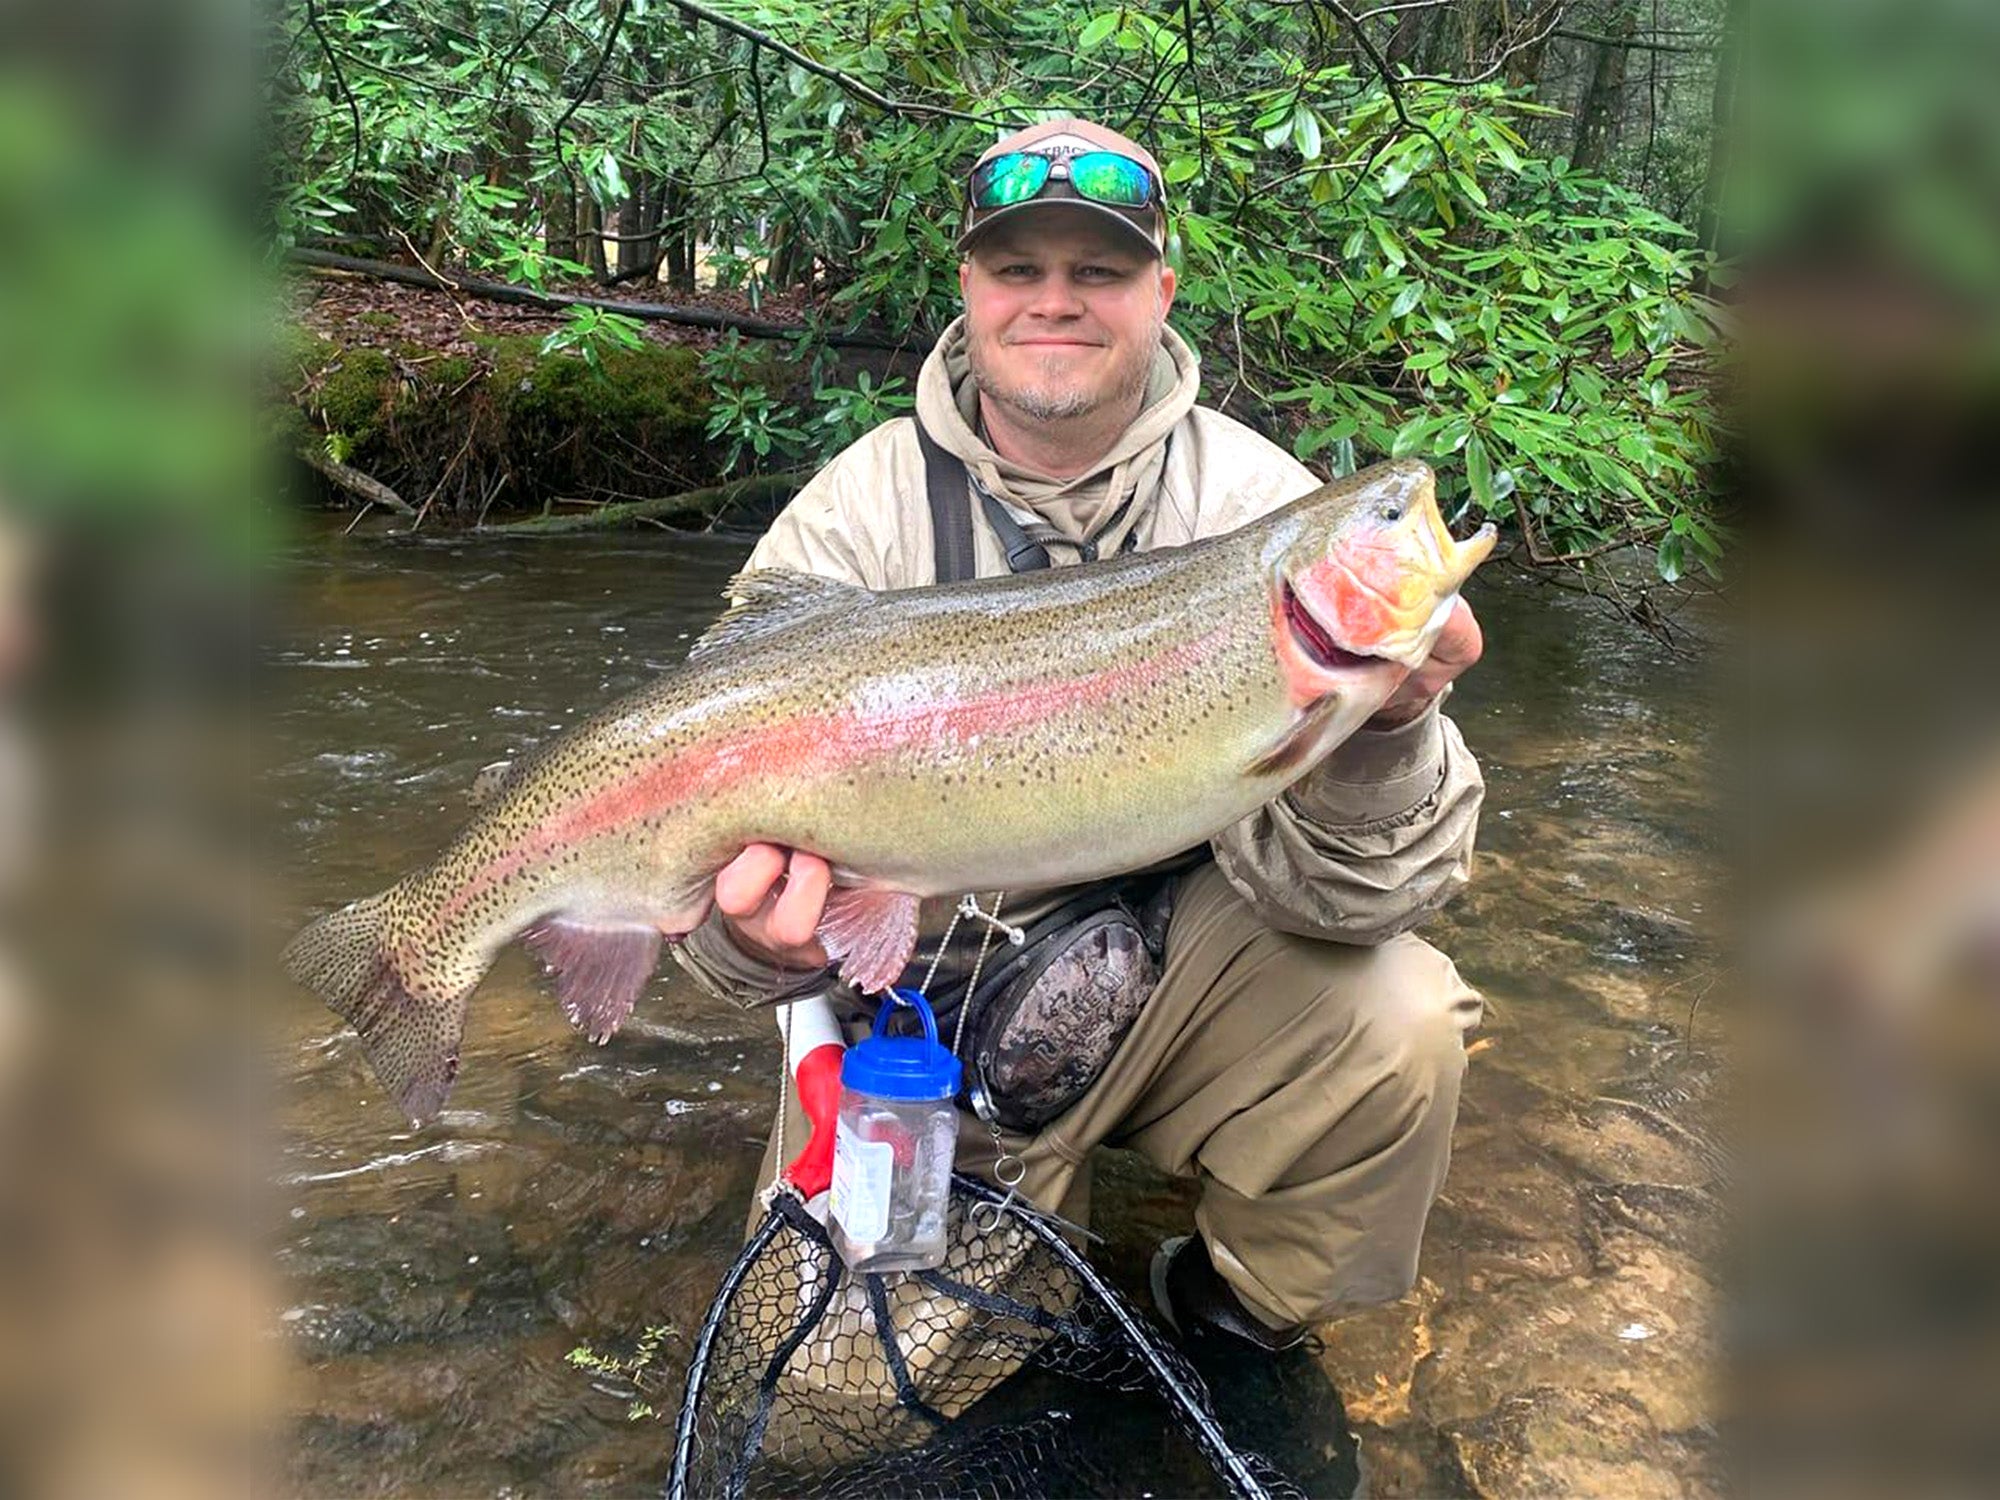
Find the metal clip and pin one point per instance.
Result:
(968, 906)
(1008, 1171)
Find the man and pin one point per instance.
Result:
(1301, 1052)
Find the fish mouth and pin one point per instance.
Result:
(1313, 640)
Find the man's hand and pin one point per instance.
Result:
(772, 899)
(1458, 646)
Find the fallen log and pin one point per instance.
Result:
(655, 312)
(354, 481)
(704, 504)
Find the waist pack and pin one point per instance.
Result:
(1048, 1015)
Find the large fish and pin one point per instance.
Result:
(1012, 733)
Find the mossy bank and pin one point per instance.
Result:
(494, 425)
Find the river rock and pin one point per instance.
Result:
(1613, 1140)
(1372, 1356)
(1640, 1329)
(1549, 1441)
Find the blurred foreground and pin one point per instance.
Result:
(1862, 1300)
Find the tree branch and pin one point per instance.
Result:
(833, 75)
(1637, 538)
(1555, 19)
(502, 72)
(655, 312)
(1386, 10)
(333, 66)
(555, 133)
(1633, 44)
(353, 480)
(1388, 76)
(708, 504)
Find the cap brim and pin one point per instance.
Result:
(993, 216)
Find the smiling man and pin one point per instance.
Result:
(1257, 1016)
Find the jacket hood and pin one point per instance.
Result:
(1076, 509)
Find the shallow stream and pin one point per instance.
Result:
(436, 1280)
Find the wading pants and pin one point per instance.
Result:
(1309, 1086)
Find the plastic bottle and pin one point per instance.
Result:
(893, 1146)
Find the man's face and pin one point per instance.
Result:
(1063, 313)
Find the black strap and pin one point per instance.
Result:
(1024, 553)
(949, 488)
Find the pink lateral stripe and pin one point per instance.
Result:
(821, 742)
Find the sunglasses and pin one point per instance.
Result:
(1100, 176)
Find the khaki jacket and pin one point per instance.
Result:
(1374, 839)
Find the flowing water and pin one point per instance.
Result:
(437, 1280)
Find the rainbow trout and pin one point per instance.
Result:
(1011, 733)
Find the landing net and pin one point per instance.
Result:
(1011, 1369)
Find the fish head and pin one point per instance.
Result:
(1367, 578)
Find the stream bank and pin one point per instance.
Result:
(448, 411)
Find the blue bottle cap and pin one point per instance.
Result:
(901, 1067)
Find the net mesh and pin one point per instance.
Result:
(972, 1379)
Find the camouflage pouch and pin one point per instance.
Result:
(1041, 1030)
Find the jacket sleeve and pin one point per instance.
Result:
(1379, 835)
(1376, 838)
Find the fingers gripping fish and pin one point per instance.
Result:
(1018, 732)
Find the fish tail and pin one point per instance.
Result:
(409, 1033)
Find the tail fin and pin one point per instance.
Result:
(411, 1038)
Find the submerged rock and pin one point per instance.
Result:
(1548, 1441)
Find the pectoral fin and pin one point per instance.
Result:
(872, 934)
(598, 970)
(1303, 744)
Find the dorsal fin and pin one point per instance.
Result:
(486, 785)
(766, 599)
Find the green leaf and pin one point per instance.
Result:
(1409, 437)
(1391, 247)
(1181, 168)
(1097, 30)
(1411, 294)
(1479, 471)
(1305, 133)
(1670, 558)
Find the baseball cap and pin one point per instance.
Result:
(1061, 139)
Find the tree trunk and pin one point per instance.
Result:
(559, 224)
(1411, 38)
(1524, 68)
(1722, 110)
(673, 217)
(1601, 111)
(589, 220)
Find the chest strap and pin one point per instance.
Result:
(949, 489)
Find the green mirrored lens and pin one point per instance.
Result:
(1109, 178)
(1013, 178)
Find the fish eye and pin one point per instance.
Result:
(1391, 511)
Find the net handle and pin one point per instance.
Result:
(711, 1329)
(1202, 1425)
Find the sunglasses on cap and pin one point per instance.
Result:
(1101, 176)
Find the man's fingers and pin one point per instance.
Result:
(796, 917)
(1461, 643)
(743, 883)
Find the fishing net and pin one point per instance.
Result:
(984, 1377)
